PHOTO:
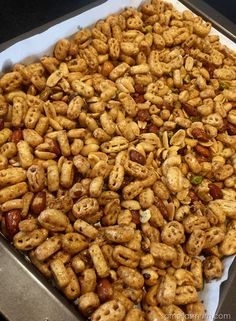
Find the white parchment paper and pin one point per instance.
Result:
(32, 48)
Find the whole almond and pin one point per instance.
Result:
(189, 109)
(161, 206)
(12, 220)
(215, 191)
(203, 151)
(16, 136)
(137, 157)
(38, 203)
(104, 290)
(200, 134)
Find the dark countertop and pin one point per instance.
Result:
(20, 16)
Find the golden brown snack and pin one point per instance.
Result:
(118, 166)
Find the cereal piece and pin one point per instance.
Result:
(25, 155)
(11, 176)
(36, 178)
(109, 311)
(212, 268)
(26, 241)
(125, 256)
(130, 277)
(47, 248)
(53, 178)
(88, 302)
(13, 191)
(85, 229)
(99, 261)
(53, 220)
(227, 247)
(166, 290)
(154, 313)
(73, 243)
(185, 294)
(118, 234)
(162, 251)
(60, 273)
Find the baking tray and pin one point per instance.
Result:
(25, 295)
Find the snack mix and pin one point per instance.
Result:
(118, 163)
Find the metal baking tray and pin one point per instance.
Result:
(25, 294)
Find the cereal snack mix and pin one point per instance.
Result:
(118, 163)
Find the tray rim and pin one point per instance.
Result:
(221, 24)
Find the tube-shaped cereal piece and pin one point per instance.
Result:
(85, 228)
(13, 191)
(63, 143)
(67, 174)
(25, 155)
(60, 273)
(53, 178)
(5, 133)
(48, 247)
(12, 175)
(99, 261)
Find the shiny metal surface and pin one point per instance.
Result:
(25, 295)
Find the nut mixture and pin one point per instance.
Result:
(118, 163)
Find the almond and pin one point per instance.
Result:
(200, 134)
(137, 157)
(16, 136)
(38, 203)
(139, 89)
(143, 115)
(135, 216)
(189, 109)
(215, 191)
(12, 220)
(203, 151)
(161, 206)
(104, 290)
